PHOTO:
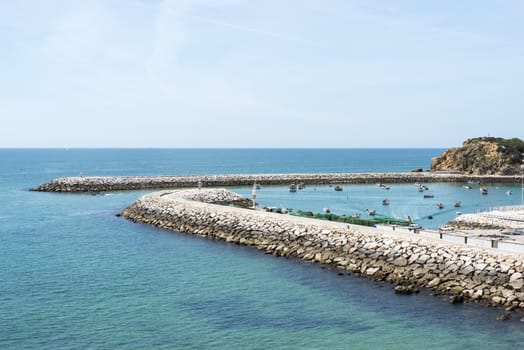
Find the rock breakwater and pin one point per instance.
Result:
(408, 261)
(122, 183)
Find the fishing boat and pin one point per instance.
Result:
(385, 201)
(327, 210)
(440, 205)
(483, 190)
(428, 196)
(292, 188)
(338, 188)
(457, 204)
(371, 212)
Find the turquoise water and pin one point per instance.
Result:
(75, 276)
(405, 200)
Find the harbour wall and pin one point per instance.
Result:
(122, 183)
(409, 261)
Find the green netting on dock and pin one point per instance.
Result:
(350, 219)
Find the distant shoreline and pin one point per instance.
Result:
(128, 183)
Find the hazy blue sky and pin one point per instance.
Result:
(259, 73)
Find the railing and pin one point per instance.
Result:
(475, 240)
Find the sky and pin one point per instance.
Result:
(260, 73)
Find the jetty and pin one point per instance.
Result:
(123, 183)
(408, 261)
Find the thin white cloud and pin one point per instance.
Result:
(280, 36)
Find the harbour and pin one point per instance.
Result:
(78, 276)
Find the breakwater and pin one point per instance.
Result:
(507, 217)
(464, 273)
(122, 183)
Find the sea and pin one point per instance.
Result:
(73, 275)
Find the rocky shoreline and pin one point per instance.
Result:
(463, 273)
(123, 183)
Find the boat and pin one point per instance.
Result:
(301, 186)
(457, 204)
(371, 212)
(257, 186)
(385, 201)
(381, 185)
(428, 196)
(292, 188)
(327, 210)
(338, 188)
(422, 188)
(483, 190)
(508, 193)
(440, 205)
(468, 187)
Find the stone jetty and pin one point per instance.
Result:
(408, 261)
(508, 217)
(122, 183)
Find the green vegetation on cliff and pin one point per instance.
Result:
(512, 149)
(483, 155)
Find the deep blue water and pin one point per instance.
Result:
(72, 275)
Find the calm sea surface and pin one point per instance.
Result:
(74, 276)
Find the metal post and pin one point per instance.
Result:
(254, 193)
(522, 181)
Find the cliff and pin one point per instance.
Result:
(482, 156)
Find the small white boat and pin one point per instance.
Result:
(483, 190)
(457, 204)
(446, 228)
(292, 188)
(371, 212)
(327, 210)
(381, 185)
(385, 201)
(440, 206)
